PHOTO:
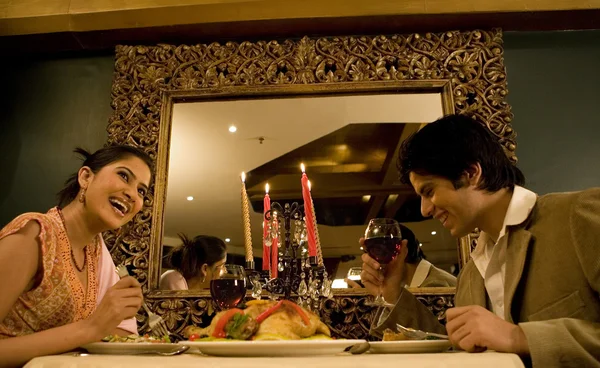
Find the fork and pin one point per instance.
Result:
(157, 325)
(411, 333)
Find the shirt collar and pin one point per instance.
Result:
(420, 273)
(519, 208)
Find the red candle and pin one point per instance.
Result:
(275, 246)
(309, 215)
(266, 263)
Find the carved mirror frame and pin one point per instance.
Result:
(467, 68)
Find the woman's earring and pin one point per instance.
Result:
(204, 278)
(82, 195)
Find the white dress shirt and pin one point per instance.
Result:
(490, 256)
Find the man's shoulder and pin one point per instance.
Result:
(554, 203)
(438, 277)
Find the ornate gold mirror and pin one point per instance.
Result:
(340, 105)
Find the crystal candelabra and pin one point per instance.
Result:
(299, 275)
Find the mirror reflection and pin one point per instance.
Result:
(349, 145)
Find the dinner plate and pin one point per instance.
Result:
(124, 348)
(408, 346)
(265, 348)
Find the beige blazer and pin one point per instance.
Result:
(552, 283)
(438, 278)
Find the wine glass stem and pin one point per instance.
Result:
(382, 274)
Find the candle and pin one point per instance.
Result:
(316, 227)
(266, 263)
(309, 214)
(275, 247)
(246, 222)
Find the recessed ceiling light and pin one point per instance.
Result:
(420, 244)
(433, 232)
(227, 240)
(361, 248)
(232, 129)
(190, 198)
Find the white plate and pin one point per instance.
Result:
(283, 348)
(123, 348)
(409, 346)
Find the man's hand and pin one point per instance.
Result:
(474, 328)
(391, 281)
(353, 284)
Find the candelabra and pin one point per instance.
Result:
(299, 275)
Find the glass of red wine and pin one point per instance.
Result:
(382, 243)
(229, 290)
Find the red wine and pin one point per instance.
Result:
(383, 250)
(227, 293)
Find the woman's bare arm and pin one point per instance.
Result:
(19, 263)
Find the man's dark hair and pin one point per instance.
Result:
(415, 255)
(449, 146)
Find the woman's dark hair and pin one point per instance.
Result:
(415, 255)
(192, 254)
(96, 161)
(449, 146)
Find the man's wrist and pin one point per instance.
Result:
(519, 339)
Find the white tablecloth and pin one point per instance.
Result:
(445, 360)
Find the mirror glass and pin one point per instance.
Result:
(349, 144)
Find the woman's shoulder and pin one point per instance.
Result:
(29, 223)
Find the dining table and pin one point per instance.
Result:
(341, 360)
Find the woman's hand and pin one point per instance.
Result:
(391, 281)
(122, 301)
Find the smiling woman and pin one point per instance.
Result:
(65, 265)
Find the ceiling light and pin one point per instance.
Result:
(227, 240)
(366, 198)
(190, 198)
(361, 248)
(420, 244)
(232, 129)
(433, 232)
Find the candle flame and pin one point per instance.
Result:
(309, 185)
(267, 188)
(302, 167)
(243, 177)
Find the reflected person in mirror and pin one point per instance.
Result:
(531, 286)
(195, 263)
(413, 269)
(58, 285)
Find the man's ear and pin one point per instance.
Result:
(85, 176)
(473, 174)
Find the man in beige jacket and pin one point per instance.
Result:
(532, 285)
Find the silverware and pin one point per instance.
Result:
(180, 350)
(360, 348)
(411, 333)
(121, 270)
(158, 327)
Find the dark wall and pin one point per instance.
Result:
(52, 105)
(554, 89)
(48, 107)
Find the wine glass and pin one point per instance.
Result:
(382, 242)
(354, 275)
(229, 289)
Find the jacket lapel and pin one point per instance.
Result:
(477, 290)
(516, 254)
